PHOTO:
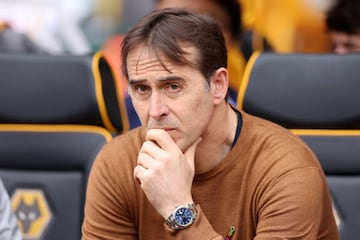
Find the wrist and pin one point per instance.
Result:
(170, 206)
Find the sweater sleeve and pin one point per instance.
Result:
(290, 198)
(292, 207)
(107, 215)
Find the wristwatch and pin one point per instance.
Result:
(182, 217)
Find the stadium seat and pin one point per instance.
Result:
(45, 168)
(56, 112)
(112, 50)
(339, 154)
(317, 91)
(70, 89)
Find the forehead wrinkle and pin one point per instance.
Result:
(146, 65)
(152, 64)
(142, 59)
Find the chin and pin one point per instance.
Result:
(181, 144)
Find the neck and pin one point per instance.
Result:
(217, 139)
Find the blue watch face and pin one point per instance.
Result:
(183, 216)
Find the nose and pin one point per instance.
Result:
(158, 107)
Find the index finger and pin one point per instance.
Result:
(161, 138)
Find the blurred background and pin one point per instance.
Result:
(69, 26)
(82, 26)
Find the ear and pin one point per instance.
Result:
(219, 84)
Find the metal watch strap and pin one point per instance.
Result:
(171, 221)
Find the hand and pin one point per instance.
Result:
(165, 172)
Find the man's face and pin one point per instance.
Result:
(178, 99)
(345, 43)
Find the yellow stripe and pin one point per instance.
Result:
(325, 132)
(246, 79)
(56, 128)
(121, 97)
(99, 93)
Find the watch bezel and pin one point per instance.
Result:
(173, 220)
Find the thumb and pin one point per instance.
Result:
(190, 153)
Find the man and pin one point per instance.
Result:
(198, 168)
(8, 225)
(343, 24)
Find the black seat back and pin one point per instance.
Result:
(317, 91)
(44, 89)
(45, 170)
(339, 154)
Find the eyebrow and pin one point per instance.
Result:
(161, 79)
(172, 78)
(135, 81)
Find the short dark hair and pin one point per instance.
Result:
(166, 31)
(344, 17)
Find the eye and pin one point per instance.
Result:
(141, 91)
(141, 88)
(173, 87)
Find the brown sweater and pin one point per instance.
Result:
(270, 186)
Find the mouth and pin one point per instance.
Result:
(167, 129)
